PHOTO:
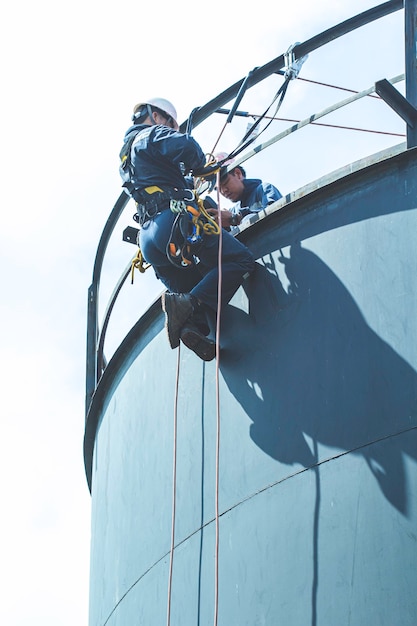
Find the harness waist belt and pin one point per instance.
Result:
(152, 200)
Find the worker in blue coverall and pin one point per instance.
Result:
(251, 195)
(156, 173)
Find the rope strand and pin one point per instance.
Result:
(219, 304)
(363, 130)
(316, 82)
(174, 489)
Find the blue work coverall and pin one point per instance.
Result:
(163, 157)
(256, 196)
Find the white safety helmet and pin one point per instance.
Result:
(160, 103)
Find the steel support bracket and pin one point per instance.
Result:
(396, 101)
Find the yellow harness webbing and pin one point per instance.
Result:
(138, 263)
(203, 223)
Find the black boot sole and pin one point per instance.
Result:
(198, 343)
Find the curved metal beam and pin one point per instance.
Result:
(92, 306)
(299, 51)
(100, 349)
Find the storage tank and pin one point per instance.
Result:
(276, 484)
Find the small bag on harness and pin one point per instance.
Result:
(125, 167)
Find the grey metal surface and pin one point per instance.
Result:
(318, 452)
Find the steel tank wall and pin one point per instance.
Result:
(318, 440)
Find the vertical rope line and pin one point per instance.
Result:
(218, 139)
(174, 488)
(219, 304)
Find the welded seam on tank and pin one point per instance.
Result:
(256, 493)
(315, 465)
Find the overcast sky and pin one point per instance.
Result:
(70, 77)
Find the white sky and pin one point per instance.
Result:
(70, 77)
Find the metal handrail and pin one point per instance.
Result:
(95, 339)
(309, 120)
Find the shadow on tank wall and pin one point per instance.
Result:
(304, 362)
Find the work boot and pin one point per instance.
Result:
(199, 320)
(197, 342)
(178, 307)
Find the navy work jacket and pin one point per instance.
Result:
(161, 156)
(256, 196)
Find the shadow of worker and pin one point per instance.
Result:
(305, 363)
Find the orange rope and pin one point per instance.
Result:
(218, 138)
(316, 82)
(340, 127)
(174, 470)
(219, 304)
(174, 489)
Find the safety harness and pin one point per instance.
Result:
(191, 223)
(192, 220)
(153, 200)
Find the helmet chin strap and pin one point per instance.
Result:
(149, 109)
(146, 112)
(141, 115)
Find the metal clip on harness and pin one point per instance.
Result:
(179, 205)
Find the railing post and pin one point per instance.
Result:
(91, 356)
(92, 375)
(410, 20)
